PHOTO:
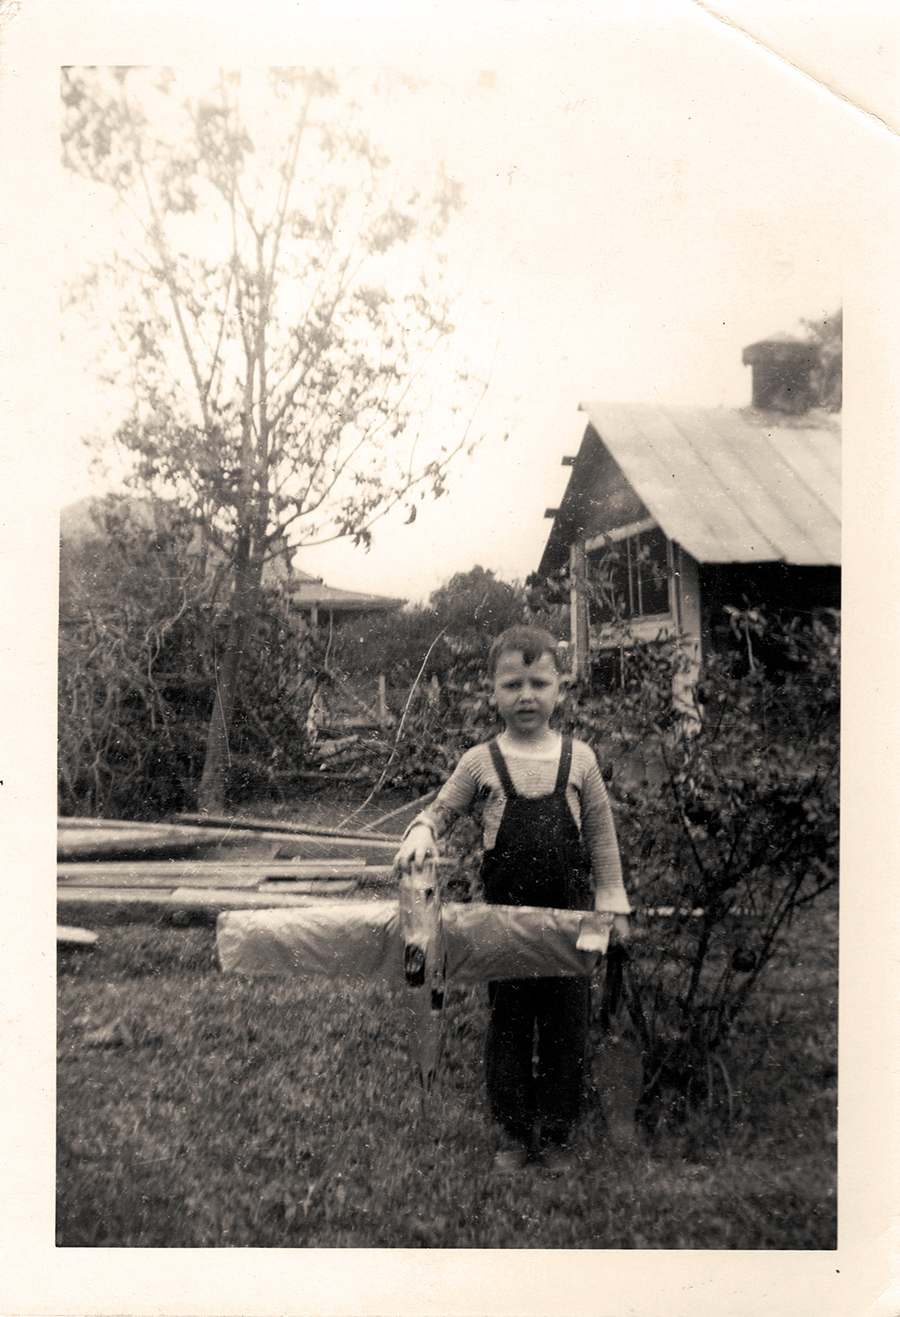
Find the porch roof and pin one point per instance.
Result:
(308, 592)
(728, 485)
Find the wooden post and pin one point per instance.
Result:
(382, 700)
(684, 685)
(578, 611)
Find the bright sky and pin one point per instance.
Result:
(648, 190)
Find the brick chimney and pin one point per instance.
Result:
(782, 370)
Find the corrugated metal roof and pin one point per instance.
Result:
(731, 486)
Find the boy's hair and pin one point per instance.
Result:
(529, 641)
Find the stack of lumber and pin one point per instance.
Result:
(116, 862)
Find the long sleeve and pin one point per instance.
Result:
(455, 796)
(599, 833)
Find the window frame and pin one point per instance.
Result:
(643, 626)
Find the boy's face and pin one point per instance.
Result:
(526, 693)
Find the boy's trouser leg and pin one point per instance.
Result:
(507, 1056)
(563, 1011)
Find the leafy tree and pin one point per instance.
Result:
(276, 380)
(467, 611)
(477, 604)
(393, 644)
(828, 333)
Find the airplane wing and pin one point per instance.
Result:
(364, 940)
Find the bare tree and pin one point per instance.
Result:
(278, 355)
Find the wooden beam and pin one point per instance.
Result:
(119, 839)
(69, 936)
(210, 899)
(64, 822)
(259, 899)
(275, 825)
(203, 873)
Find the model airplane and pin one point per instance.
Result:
(418, 940)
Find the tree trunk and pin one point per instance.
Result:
(214, 779)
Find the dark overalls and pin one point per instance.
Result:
(539, 859)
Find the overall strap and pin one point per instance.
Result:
(502, 771)
(565, 763)
(562, 777)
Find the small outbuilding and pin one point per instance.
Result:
(672, 514)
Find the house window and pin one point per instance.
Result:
(629, 578)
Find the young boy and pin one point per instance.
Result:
(549, 840)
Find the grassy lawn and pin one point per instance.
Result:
(219, 1112)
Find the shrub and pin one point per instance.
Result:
(139, 624)
(132, 685)
(731, 830)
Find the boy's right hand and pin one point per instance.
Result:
(416, 847)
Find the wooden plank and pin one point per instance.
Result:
(365, 873)
(63, 822)
(158, 828)
(309, 885)
(176, 870)
(191, 898)
(112, 895)
(66, 935)
(309, 849)
(242, 836)
(72, 842)
(209, 874)
(220, 833)
(261, 898)
(295, 829)
(248, 882)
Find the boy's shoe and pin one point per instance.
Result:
(508, 1161)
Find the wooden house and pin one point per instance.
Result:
(671, 514)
